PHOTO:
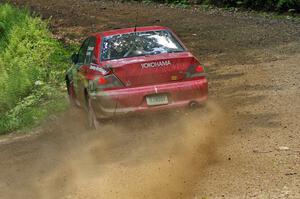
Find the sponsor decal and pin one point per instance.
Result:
(156, 64)
(99, 69)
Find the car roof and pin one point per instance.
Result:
(130, 30)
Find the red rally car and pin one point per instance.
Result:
(134, 70)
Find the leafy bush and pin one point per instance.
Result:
(32, 64)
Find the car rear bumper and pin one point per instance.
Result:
(129, 100)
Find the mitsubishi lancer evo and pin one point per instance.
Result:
(134, 70)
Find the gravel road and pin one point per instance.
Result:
(244, 145)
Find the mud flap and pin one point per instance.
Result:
(92, 121)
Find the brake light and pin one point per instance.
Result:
(195, 71)
(199, 69)
(101, 81)
(108, 82)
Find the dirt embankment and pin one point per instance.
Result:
(232, 150)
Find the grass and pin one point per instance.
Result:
(32, 66)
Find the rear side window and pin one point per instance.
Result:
(89, 56)
(82, 51)
(139, 44)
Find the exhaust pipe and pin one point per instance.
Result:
(193, 105)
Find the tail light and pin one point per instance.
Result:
(195, 71)
(199, 69)
(101, 81)
(104, 79)
(108, 82)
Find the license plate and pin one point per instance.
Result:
(157, 100)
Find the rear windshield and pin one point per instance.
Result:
(139, 44)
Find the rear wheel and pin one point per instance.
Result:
(92, 121)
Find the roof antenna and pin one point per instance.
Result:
(136, 19)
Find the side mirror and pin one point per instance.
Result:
(74, 58)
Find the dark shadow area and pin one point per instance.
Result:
(257, 87)
(215, 76)
(263, 120)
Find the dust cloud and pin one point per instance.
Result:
(151, 156)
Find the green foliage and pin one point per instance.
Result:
(266, 5)
(178, 2)
(288, 5)
(32, 64)
(30, 110)
(182, 3)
